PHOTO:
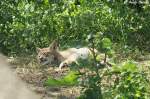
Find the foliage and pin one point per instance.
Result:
(69, 80)
(25, 24)
(131, 83)
(92, 88)
(92, 83)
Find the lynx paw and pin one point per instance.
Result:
(62, 65)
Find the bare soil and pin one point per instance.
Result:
(35, 76)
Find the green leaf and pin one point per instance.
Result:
(71, 78)
(68, 80)
(129, 66)
(46, 2)
(111, 53)
(115, 69)
(106, 43)
(52, 82)
(138, 94)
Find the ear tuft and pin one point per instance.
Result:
(54, 45)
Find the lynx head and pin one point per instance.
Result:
(47, 55)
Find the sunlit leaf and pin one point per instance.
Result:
(106, 43)
(68, 80)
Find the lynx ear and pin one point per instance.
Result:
(54, 45)
(37, 49)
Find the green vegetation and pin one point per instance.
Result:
(132, 83)
(25, 24)
(69, 80)
(117, 28)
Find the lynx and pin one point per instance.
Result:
(52, 55)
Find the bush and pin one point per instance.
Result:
(131, 82)
(26, 24)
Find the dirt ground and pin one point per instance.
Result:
(34, 76)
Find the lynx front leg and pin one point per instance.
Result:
(62, 65)
(68, 61)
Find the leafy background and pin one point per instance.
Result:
(25, 24)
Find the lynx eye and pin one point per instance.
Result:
(46, 54)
